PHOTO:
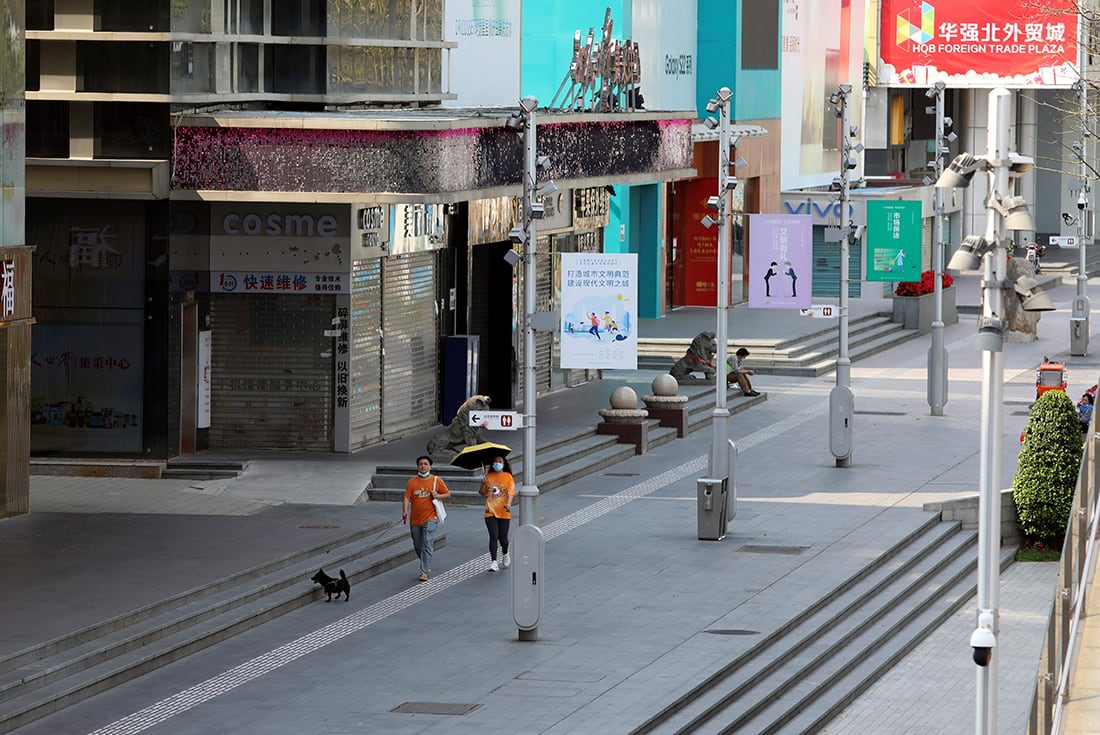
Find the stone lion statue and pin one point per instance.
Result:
(458, 433)
(699, 358)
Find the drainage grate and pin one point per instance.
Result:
(882, 413)
(434, 708)
(759, 549)
(732, 631)
(318, 525)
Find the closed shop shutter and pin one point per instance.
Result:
(270, 386)
(365, 400)
(827, 267)
(410, 342)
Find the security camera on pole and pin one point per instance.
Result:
(1004, 211)
(528, 542)
(937, 354)
(841, 403)
(723, 452)
(1079, 316)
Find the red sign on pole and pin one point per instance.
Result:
(979, 43)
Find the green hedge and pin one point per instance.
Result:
(1049, 463)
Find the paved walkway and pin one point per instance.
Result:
(630, 590)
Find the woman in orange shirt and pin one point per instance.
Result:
(499, 489)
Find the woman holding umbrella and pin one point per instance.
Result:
(499, 488)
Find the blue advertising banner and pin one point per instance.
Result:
(780, 261)
(893, 241)
(599, 296)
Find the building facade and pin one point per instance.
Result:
(262, 235)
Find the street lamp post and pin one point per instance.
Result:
(1079, 316)
(841, 402)
(723, 451)
(937, 354)
(719, 465)
(528, 562)
(1004, 211)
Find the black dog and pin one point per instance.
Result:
(332, 585)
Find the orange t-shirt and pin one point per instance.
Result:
(496, 503)
(418, 490)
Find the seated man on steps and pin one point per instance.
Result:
(736, 372)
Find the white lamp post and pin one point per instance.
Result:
(937, 354)
(1004, 211)
(527, 570)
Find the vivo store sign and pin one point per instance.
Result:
(267, 221)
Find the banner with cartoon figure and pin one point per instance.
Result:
(781, 250)
(599, 296)
(893, 241)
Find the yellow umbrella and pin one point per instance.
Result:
(479, 455)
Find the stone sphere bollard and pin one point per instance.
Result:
(624, 397)
(665, 385)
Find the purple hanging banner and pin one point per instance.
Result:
(781, 249)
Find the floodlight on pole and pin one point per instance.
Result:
(528, 581)
(1080, 314)
(841, 401)
(723, 451)
(937, 352)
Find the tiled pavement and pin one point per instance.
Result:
(630, 590)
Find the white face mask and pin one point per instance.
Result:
(422, 474)
(498, 466)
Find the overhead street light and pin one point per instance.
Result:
(527, 577)
(723, 452)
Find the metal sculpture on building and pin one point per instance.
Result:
(604, 76)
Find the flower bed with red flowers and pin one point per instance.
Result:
(926, 285)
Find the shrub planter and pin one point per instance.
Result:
(917, 312)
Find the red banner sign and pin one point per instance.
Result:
(979, 43)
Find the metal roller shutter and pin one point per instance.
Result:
(827, 267)
(410, 342)
(365, 400)
(270, 386)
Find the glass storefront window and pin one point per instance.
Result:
(39, 15)
(248, 66)
(130, 16)
(358, 69)
(131, 130)
(192, 67)
(295, 69)
(298, 17)
(110, 66)
(47, 129)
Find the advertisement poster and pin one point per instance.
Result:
(893, 241)
(700, 246)
(979, 43)
(87, 383)
(780, 261)
(599, 312)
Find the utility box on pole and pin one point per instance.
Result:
(712, 508)
(527, 580)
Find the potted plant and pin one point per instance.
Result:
(914, 302)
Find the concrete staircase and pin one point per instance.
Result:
(808, 355)
(801, 676)
(563, 460)
(49, 677)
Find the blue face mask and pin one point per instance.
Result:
(498, 466)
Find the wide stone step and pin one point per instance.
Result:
(59, 673)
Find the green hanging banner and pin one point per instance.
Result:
(893, 241)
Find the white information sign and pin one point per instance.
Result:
(599, 297)
(826, 311)
(1068, 241)
(497, 420)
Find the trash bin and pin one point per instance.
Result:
(711, 507)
